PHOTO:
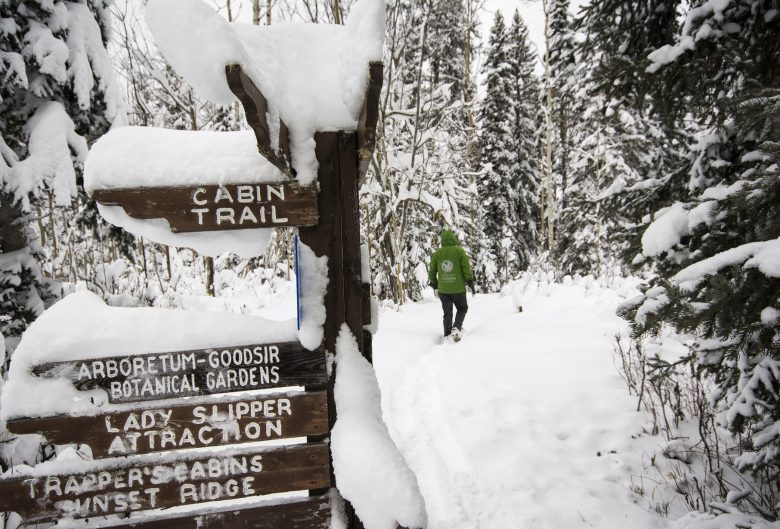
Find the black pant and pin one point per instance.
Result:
(447, 301)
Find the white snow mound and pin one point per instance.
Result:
(136, 157)
(81, 326)
(313, 75)
(370, 471)
(132, 157)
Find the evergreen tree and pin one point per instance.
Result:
(563, 73)
(624, 160)
(625, 32)
(57, 93)
(525, 137)
(446, 43)
(497, 186)
(717, 279)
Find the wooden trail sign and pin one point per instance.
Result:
(218, 207)
(157, 376)
(182, 426)
(130, 486)
(298, 513)
(329, 218)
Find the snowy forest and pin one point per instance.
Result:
(636, 146)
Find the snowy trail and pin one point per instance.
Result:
(525, 423)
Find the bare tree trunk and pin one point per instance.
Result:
(289, 252)
(549, 183)
(471, 145)
(209, 263)
(256, 12)
(168, 261)
(53, 228)
(268, 13)
(336, 12)
(192, 112)
(599, 178)
(564, 139)
(41, 229)
(142, 253)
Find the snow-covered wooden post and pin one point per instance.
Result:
(343, 158)
(313, 134)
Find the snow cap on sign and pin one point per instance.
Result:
(139, 157)
(82, 326)
(197, 42)
(314, 76)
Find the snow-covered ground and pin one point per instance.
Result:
(525, 422)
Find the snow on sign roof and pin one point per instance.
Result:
(147, 157)
(314, 76)
(82, 326)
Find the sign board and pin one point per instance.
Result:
(182, 426)
(157, 376)
(218, 207)
(298, 513)
(156, 482)
(129, 486)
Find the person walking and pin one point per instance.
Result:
(448, 274)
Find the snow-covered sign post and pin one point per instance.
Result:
(139, 389)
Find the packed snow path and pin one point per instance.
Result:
(523, 424)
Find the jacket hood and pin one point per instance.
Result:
(448, 238)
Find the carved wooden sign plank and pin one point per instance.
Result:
(131, 486)
(298, 513)
(218, 207)
(181, 426)
(156, 376)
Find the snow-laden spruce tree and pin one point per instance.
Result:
(563, 76)
(718, 252)
(497, 191)
(57, 94)
(525, 134)
(624, 33)
(509, 184)
(623, 160)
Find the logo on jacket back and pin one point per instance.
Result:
(447, 265)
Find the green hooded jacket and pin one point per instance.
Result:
(450, 269)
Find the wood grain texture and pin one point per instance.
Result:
(293, 366)
(311, 513)
(130, 485)
(193, 208)
(181, 426)
(350, 244)
(256, 110)
(366, 128)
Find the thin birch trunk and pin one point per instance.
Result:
(142, 253)
(256, 12)
(53, 228)
(549, 183)
(209, 264)
(337, 12)
(168, 261)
